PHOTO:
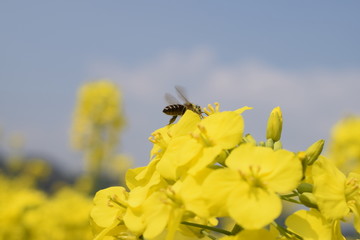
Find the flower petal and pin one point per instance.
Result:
(329, 189)
(224, 129)
(217, 187)
(253, 208)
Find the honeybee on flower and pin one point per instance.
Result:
(176, 109)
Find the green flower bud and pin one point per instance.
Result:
(278, 145)
(305, 187)
(274, 125)
(269, 143)
(222, 157)
(308, 199)
(314, 151)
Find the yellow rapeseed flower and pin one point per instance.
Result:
(99, 104)
(189, 154)
(247, 189)
(344, 146)
(110, 206)
(311, 225)
(97, 122)
(336, 195)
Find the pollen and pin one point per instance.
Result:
(203, 136)
(253, 177)
(158, 139)
(114, 200)
(211, 110)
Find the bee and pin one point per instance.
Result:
(176, 109)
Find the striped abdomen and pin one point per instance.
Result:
(175, 110)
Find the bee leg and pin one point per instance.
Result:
(172, 119)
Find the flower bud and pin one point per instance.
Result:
(305, 187)
(269, 143)
(302, 156)
(222, 157)
(278, 145)
(274, 125)
(249, 139)
(314, 151)
(308, 199)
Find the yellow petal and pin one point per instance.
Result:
(279, 170)
(134, 221)
(192, 197)
(329, 189)
(185, 125)
(355, 208)
(243, 109)
(105, 212)
(224, 129)
(139, 194)
(174, 222)
(180, 151)
(156, 214)
(207, 157)
(130, 175)
(311, 225)
(253, 208)
(217, 187)
(287, 173)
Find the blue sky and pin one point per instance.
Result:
(303, 56)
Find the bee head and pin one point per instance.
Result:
(197, 109)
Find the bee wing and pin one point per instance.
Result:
(181, 93)
(170, 99)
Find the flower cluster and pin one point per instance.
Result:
(38, 202)
(205, 171)
(98, 119)
(29, 213)
(98, 105)
(345, 144)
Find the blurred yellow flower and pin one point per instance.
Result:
(336, 195)
(344, 146)
(28, 213)
(97, 121)
(99, 104)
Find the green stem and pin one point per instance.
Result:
(285, 232)
(293, 201)
(284, 197)
(214, 229)
(236, 229)
(290, 195)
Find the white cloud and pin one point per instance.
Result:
(312, 99)
(158, 75)
(297, 88)
(200, 72)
